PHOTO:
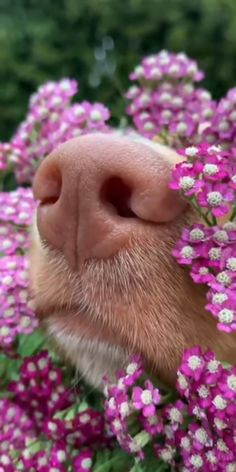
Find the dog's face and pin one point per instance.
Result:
(103, 278)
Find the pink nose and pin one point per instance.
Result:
(97, 192)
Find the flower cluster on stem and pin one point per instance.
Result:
(207, 178)
(42, 425)
(50, 121)
(165, 103)
(194, 431)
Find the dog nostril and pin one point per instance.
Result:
(48, 201)
(116, 193)
(49, 185)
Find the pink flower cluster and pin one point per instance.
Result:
(123, 399)
(16, 315)
(222, 128)
(51, 120)
(196, 432)
(165, 102)
(208, 179)
(40, 425)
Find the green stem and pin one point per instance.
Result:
(134, 468)
(168, 397)
(70, 412)
(107, 466)
(214, 220)
(202, 215)
(233, 215)
(162, 467)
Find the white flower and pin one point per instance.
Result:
(86, 463)
(219, 298)
(181, 127)
(155, 73)
(203, 391)
(186, 182)
(196, 234)
(175, 415)
(210, 169)
(231, 382)
(31, 367)
(201, 436)
(182, 381)
(215, 253)
(148, 126)
(226, 316)
(224, 126)
(187, 252)
(196, 461)
(95, 115)
(219, 402)
(132, 368)
(146, 397)
(223, 278)
(185, 444)
(194, 362)
(231, 264)
(221, 236)
(215, 198)
(139, 71)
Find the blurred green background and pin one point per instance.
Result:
(99, 41)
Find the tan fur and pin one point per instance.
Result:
(137, 300)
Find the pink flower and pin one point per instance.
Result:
(228, 384)
(224, 235)
(227, 317)
(146, 399)
(215, 168)
(217, 299)
(200, 271)
(184, 179)
(228, 259)
(174, 413)
(83, 461)
(215, 197)
(196, 234)
(183, 127)
(185, 253)
(153, 424)
(193, 363)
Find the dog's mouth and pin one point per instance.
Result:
(75, 321)
(62, 311)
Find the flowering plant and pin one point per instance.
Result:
(50, 422)
(207, 178)
(190, 430)
(166, 102)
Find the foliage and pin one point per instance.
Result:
(100, 41)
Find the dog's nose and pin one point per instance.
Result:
(97, 191)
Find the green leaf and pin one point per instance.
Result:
(114, 460)
(30, 344)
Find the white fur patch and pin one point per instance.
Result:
(92, 358)
(34, 233)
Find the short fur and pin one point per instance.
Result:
(137, 301)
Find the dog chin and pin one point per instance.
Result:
(92, 358)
